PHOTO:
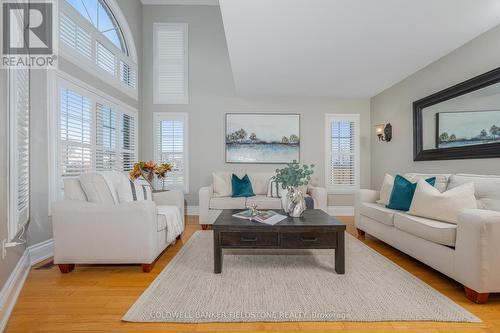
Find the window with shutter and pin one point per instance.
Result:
(171, 147)
(91, 38)
(342, 155)
(93, 134)
(170, 64)
(19, 156)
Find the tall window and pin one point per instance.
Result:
(171, 146)
(94, 133)
(342, 152)
(170, 63)
(19, 155)
(91, 37)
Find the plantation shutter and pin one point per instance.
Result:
(106, 137)
(127, 74)
(19, 106)
(170, 64)
(76, 134)
(170, 139)
(343, 168)
(128, 139)
(74, 36)
(105, 59)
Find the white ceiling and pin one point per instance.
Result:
(344, 48)
(181, 2)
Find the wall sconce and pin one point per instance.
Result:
(384, 132)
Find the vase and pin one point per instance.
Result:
(293, 202)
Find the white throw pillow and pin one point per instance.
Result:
(386, 189)
(222, 184)
(430, 203)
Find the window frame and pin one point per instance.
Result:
(342, 189)
(57, 79)
(90, 65)
(14, 224)
(161, 116)
(159, 98)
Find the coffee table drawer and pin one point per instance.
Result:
(311, 240)
(249, 239)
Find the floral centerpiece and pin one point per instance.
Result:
(149, 170)
(291, 178)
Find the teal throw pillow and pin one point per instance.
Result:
(402, 193)
(241, 187)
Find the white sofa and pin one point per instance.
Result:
(212, 203)
(105, 231)
(468, 252)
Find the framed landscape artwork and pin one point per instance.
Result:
(262, 138)
(456, 129)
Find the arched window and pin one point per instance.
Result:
(92, 36)
(100, 16)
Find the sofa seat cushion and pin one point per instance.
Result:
(264, 202)
(431, 230)
(378, 213)
(228, 203)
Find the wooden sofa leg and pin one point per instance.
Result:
(204, 226)
(361, 233)
(66, 268)
(178, 237)
(474, 296)
(146, 268)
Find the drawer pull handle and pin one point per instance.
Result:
(245, 239)
(309, 239)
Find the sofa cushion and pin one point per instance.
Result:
(264, 202)
(386, 189)
(430, 203)
(431, 230)
(260, 181)
(486, 189)
(73, 190)
(228, 203)
(378, 212)
(96, 188)
(441, 179)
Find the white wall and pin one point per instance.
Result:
(212, 95)
(394, 105)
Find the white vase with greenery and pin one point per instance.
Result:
(291, 178)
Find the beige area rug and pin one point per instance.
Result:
(283, 285)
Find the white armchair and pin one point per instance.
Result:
(134, 232)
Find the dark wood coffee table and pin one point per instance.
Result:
(314, 230)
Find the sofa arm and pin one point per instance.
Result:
(170, 198)
(205, 194)
(320, 196)
(86, 232)
(362, 196)
(477, 248)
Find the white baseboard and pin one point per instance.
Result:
(41, 251)
(12, 288)
(341, 210)
(193, 210)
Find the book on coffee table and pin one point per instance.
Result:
(262, 216)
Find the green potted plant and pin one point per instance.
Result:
(292, 178)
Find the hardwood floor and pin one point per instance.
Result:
(93, 298)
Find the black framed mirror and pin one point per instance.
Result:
(459, 122)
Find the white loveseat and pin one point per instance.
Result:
(94, 227)
(468, 252)
(212, 202)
